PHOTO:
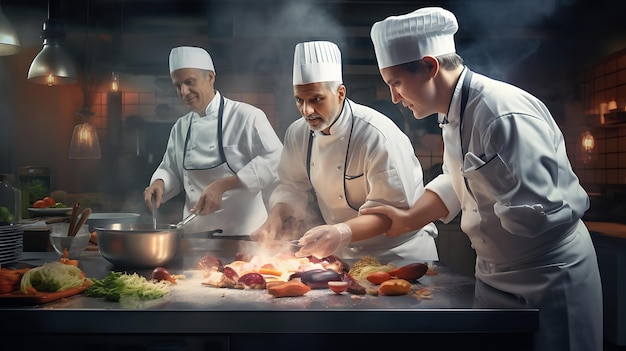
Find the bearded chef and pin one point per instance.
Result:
(223, 154)
(341, 157)
(505, 169)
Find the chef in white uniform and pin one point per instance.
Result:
(341, 157)
(505, 169)
(223, 154)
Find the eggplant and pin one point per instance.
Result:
(319, 278)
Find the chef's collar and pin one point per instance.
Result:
(341, 123)
(455, 103)
(213, 107)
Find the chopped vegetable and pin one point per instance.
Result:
(367, 265)
(66, 260)
(49, 201)
(291, 288)
(52, 277)
(394, 287)
(116, 285)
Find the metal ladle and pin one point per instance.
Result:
(186, 220)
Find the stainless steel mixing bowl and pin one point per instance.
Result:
(138, 244)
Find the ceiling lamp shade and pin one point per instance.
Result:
(9, 42)
(52, 66)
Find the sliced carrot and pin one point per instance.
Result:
(270, 271)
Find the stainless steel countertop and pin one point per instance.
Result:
(191, 307)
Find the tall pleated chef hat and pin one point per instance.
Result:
(428, 31)
(316, 61)
(190, 57)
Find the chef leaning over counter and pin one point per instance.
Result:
(223, 154)
(341, 157)
(506, 170)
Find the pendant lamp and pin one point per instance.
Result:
(588, 150)
(52, 66)
(9, 42)
(85, 143)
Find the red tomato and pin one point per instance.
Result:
(49, 201)
(39, 204)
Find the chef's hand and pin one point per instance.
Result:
(398, 218)
(268, 230)
(210, 200)
(324, 240)
(156, 190)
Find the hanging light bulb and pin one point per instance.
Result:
(9, 42)
(115, 83)
(52, 66)
(85, 143)
(588, 147)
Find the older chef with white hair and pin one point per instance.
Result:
(223, 154)
(341, 157)
(505, 169)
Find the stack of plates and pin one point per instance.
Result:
(11, 243)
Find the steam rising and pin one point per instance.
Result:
(492, 52)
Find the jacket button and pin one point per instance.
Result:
(338, 168)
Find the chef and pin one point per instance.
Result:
(505, 169)
(341, 157)
(223, 154)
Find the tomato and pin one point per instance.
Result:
(378, 277)
(39, 204)
(49, 201)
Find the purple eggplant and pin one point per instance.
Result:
(319, 278)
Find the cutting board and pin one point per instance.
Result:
(17, 298)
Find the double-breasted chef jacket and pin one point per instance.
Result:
(505, 168)
(238, 140)
(365, 161)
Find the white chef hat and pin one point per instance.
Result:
(428, 31)
(190, 57)
(316, 61)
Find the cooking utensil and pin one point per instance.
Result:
(187, 219)
(138, 244)
(73, 218)
(154, 214)
(83, 218)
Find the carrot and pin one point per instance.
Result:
(65, 259)
(291, 288)
(394, 287)
(10, 279)
(270, 271)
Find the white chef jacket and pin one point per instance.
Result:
(505, 167)
(365, 161)
(251, 149)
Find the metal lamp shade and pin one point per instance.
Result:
(9, 42)
(52, 66)
(85, 143)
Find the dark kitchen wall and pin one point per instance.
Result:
(541, 46)
(602, 81)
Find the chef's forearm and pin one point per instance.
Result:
(228, 183)
(367, 226)
(428, 208)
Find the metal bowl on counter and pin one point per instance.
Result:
(138, 245)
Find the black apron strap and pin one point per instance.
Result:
(465, 132)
